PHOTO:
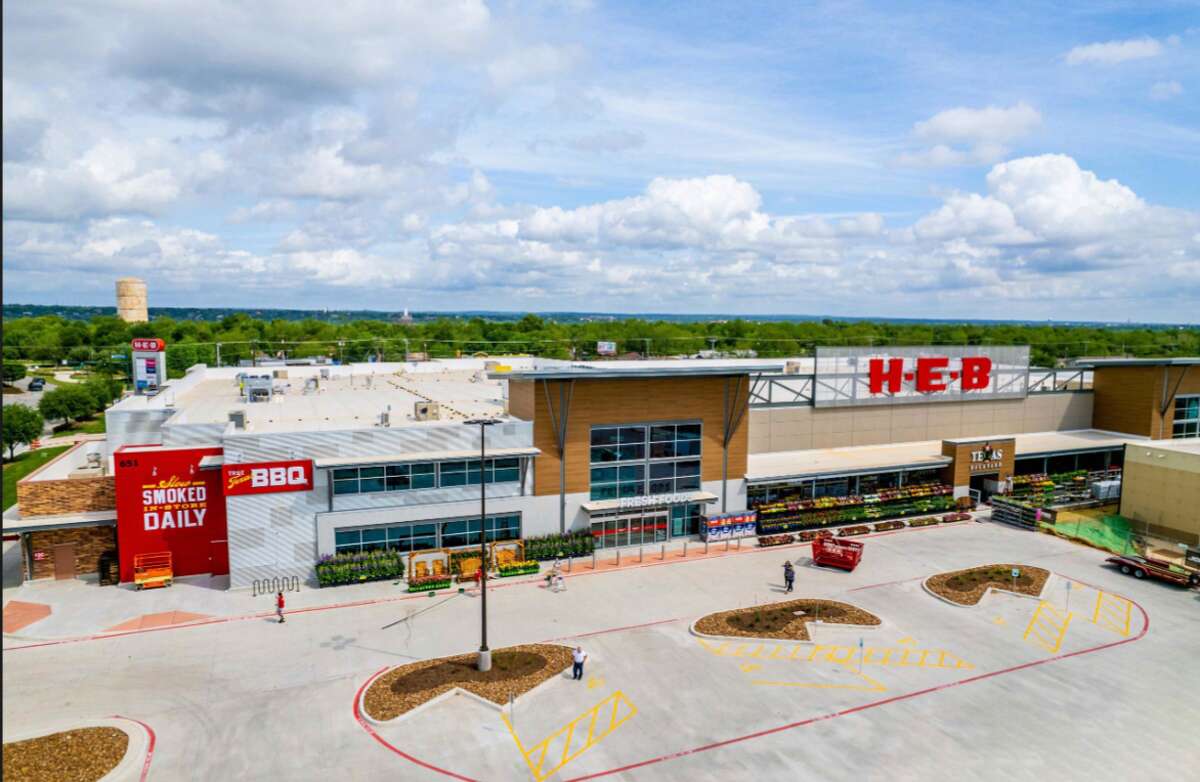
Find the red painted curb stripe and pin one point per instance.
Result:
(874, 704)
(149, 749)
(371, 730)
(610, 630)
(781, 728)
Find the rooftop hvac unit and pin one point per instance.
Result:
(792, 368)
(385, 418)
(279, 373)
(94, 459)
(426, 411)
(238, 419)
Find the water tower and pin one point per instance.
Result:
(131, 300)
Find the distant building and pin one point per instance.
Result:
(406, 319)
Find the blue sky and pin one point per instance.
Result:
(906, 159)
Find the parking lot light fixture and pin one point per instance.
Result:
(484, 662)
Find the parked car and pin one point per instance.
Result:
(37, 384)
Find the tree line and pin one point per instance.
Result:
(103, 342)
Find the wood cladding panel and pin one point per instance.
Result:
(627, 401)
(1127, 399)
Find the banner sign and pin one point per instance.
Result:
(606, 348)
(985, 458)
(267, 477)
(726, 526)
(165, 502)
(845, 377)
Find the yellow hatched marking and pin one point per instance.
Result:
(871, 686)
(613, 717)
(1112, 613)
(1047, 627)
(835, 654)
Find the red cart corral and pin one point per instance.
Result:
(844, 554)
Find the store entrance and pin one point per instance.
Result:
(631, 530)
(979, 483)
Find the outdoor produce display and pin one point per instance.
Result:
(356, 568)
(726, 526)
(428, 583)
(574, 544)
(766, 541)
(518, 568)
(884, 526)
(912, 500)
(1042, 491)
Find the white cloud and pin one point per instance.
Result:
(967, 136)
(1114, 52)
(1166, 90)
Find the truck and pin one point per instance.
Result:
(1140, 567)
(844, 554)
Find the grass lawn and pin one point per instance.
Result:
(21, 466)
(93, 425)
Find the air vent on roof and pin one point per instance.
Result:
(426, 411)
(238, 419)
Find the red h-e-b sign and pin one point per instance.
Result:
(930, 374)
(267, 477)
(148, 344)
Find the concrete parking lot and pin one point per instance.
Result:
(1015, 688)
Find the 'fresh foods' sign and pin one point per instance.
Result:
(267, 477)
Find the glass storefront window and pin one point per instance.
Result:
(665, 455)
(422, 475)
(1187, 417)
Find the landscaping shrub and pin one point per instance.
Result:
(356, 568)
(428, 583)
(519, 568)
(765, 541)
(574, 544)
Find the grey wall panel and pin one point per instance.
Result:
(192, 434)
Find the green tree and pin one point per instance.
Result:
(79, 355)
(68, 403)
(13, 371)
(22, 424)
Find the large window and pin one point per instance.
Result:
(1187, 417)
(424, 535)
(632, 461)
(423, 475)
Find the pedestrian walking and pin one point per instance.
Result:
(578, 657)
(279, 606)
(789, 577)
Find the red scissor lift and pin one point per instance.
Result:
(844, 554)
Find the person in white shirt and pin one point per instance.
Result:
(578, 656)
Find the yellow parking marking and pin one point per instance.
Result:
(574, 738)
(1112, 613)
(1048, 627)
(907, 640)
(872, 685)
(998, 620)
(594, 682)
(884, 656)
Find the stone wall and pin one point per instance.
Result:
(90, 543)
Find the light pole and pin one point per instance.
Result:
(485, 654)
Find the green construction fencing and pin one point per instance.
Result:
(1106, 531)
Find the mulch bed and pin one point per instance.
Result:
(779, 620)
(966, 587)
(515, 671)
(82, 755)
